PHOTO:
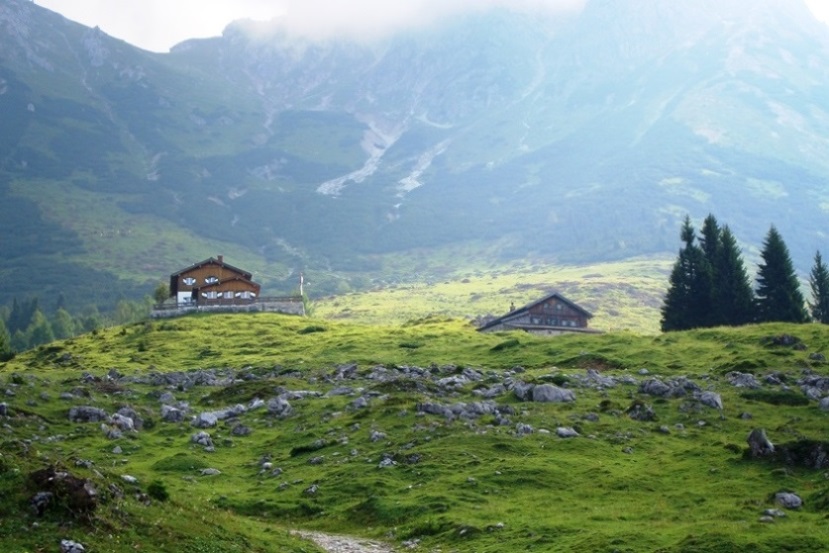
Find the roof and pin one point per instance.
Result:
(213, 261)
(518, 311)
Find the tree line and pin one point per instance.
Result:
(26, 324)
(709, 285)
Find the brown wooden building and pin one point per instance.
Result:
(212, 282)
(552, 314)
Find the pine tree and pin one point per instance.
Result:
(778, 291)
(688, 300)
(5, 341)
(819, 283)
(734, 302)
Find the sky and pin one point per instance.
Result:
(157, 25)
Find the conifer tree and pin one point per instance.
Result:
(688, 300)
(819, 283)
(734, 302)
(778, 291)
(5, 345)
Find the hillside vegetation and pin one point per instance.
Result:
(427, 434)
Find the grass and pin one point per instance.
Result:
(622, 295)
(679, 483)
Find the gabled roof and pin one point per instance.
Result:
(213, 261)
(520, 310)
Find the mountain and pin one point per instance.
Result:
(578, 138)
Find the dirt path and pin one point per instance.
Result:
(345, 544)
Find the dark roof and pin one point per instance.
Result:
(524, 309)
(213, 261)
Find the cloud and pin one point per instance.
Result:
(372, 18)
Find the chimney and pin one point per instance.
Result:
(221, 260)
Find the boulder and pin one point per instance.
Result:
(87, 414)
(279, 407)
(202, 438)
(172, 414)
(205, 420)
(523, 390)
(69, 546)
(788, 500)
(711, 399)
(742, 380)
(566, 432)
(758, 443)
(548, 393)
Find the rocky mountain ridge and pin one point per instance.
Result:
(578, 139)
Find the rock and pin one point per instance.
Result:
(87, 414)
(523, 390)
(655, 387)
(758, 443)
(4, 410)
(638, 411)
(359, 403)
(111, 432)
(240, 430)
(522, 429)
(202, 438)
(132, 414)
(40, 502)
(340, 391)
(172, 414)
(124, 423)
(77, 495)
(774, 513)
(129, 479)
(566, 432)
(69, 546)
(376, 436)
(210, 472)
(548, 393)
(711, 399)
(279, 407)
(205, 420)
(386, 463)
(788, 500)
(742, 380)
(117, 450)
(311, 490)
(823, 405)
(167, 398)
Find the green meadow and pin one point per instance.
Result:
(359, 454)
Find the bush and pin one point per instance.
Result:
(158, 491)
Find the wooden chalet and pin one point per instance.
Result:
(551, 315)
(213, 281)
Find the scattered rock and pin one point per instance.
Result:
(69, 546)
(566, 432)
(758, 444)
(87, 414)
(788, 500)
(742, 380)
(210, 472)
(549, 393)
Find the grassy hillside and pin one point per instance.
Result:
(363, 431)
(624, 295)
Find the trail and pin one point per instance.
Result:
(344, 544)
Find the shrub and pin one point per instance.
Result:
(158, 491)
(506, 344)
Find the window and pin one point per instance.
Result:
(189, 281)
(211, 280)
